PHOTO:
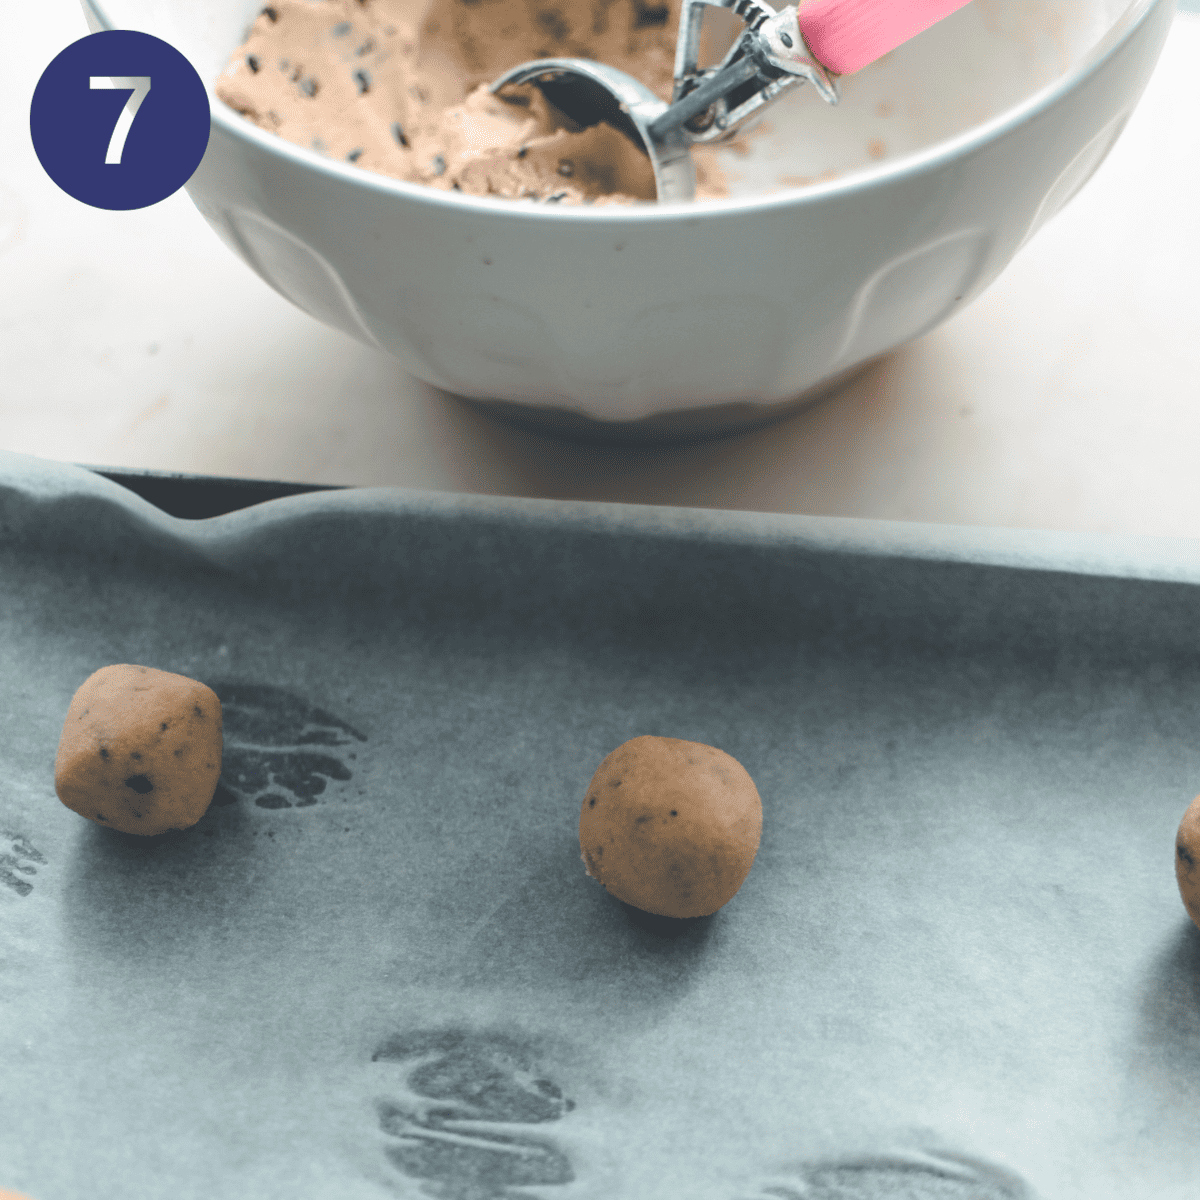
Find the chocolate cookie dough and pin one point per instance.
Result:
(140, 750)
(671, 827)
(1187, 860)
(400, 87)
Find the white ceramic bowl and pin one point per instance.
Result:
(669, 321)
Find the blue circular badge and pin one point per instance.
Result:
(120, 120)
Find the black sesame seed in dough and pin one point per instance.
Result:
(398, 133)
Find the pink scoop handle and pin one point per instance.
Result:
(846, 35)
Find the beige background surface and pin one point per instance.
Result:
(1067, 397)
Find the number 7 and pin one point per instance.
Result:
(139, 86)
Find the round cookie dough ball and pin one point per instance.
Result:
(1187, 860)
(140, 750)
(671, 827)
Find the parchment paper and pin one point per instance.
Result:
(959, 969)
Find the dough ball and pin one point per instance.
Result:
(671, 827)
(1187, 860)
(140, 750)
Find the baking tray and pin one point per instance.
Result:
(197, 497)
(959, 969)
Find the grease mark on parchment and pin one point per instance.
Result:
(940, 1176)
(17, 856)
(456, 1123)
(270, 739)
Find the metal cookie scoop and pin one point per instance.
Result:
(769, 58)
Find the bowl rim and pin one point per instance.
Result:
(928, 159)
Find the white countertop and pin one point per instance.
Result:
(1066, 397)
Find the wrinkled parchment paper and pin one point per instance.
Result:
(959, 969)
